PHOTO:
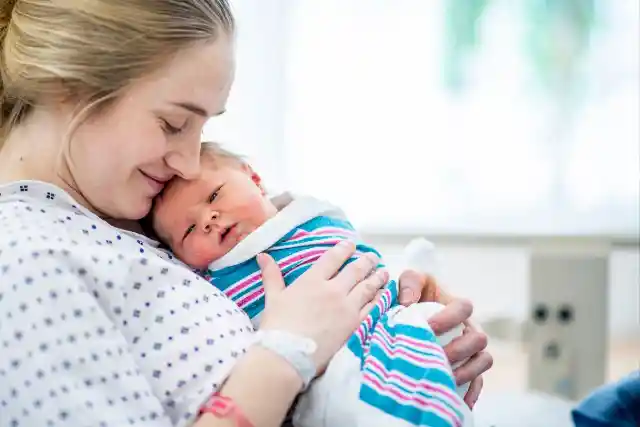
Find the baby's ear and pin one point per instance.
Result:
(257, 179)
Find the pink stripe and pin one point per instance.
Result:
(323, 231)
(251, 297)
(255, 295)
(361, 336)
(423, 385)
(332, 230)
(239, 286)
(302, 264)
(391, 341)
(383, 305)
(291, 244)
(242, 284)
(437, 407)
(402, 353)
(299, 233)
(412, 343)
(313, 238)
(300, 256)
(393, 352)
(435, 357)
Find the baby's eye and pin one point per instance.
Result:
(190, 229)
(213, 196)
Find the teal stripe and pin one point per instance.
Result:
(410, 414)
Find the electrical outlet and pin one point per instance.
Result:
(568, 321)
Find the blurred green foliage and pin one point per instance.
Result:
(557, 35)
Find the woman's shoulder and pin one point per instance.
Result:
(38, 215)
(39, 218)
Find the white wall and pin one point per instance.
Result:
(624, 293)
(253, 124)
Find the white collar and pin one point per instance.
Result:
(292, 211)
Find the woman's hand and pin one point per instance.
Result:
(416, 287)
(322, 304)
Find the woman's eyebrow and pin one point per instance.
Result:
(196, 109)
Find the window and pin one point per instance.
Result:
(352, 107)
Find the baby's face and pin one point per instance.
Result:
(203, 219)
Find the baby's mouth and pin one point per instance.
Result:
(225, 233)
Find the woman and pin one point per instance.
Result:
(102, 103)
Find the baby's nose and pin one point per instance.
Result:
(208, 220)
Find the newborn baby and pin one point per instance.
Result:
(391, 372)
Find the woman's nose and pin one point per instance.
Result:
(184, 159)
(208, 220)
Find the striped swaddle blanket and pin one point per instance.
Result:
(404, 371)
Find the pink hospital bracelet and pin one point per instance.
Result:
(224, 407)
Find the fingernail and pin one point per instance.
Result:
(406, 296)
(384, 275)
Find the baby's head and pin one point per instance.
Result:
(203, 219)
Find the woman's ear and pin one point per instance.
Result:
(257, 180)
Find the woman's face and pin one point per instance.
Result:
(121, 158)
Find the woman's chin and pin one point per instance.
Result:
(138, 209)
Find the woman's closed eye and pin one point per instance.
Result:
(170, 129)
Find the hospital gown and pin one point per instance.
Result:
(98, 327)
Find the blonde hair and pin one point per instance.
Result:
(89, 51)
(214, 151)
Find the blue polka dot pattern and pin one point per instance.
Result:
(98, 326)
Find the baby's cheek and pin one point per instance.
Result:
(259, 211)
(200, 251)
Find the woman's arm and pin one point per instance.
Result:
(263, 386)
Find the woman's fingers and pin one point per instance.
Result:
(474, 392)
(271, 275)
(453, 314)
(356, 272)
(364, 312)
(466, 346)
(473, 368)
(331, 261)
(365, 292)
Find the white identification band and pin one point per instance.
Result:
(295, 349)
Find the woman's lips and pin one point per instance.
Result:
(156, 184)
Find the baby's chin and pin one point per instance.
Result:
(202, 258)
(201, 262)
